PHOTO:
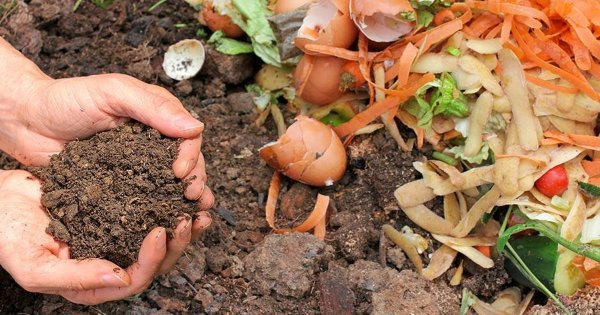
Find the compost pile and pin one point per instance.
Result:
(106, 193)
(373, 252)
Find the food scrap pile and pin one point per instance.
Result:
(507, 94)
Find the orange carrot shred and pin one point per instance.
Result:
(493, 33)
(372, 112)
(592, 168)
(549, 85)
(485, 250)
(316, 219)
(506, 27)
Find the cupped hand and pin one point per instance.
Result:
(50, 113)
(41, 264)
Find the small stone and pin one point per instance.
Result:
(184, 87)
(241, 102)
(396, 257)
(204, 297)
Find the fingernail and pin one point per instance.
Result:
(183, 229)
(113, 280)
(204, 219)
(188, 123)
(160, 244)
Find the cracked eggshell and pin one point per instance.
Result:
(322, 85)
(309, 152)
(380, 20)
(327, 22)
(285, 6)
(184, 59)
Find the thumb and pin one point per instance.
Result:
(71, 274)
(125, 96)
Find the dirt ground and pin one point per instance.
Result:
(240, 266)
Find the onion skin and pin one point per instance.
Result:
(284, 6)
(216, 22)
(309, 152)
(322, 85)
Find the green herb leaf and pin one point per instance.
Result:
(229, 46)
(444, 158)
(424, 18)
(453, 51)
(467, 300)
(407, 16)
(589, 189)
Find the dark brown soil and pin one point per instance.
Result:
(106, 193)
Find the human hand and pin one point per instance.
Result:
(39, 115)
(41, 264)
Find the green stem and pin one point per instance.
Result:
(156, 5)
(444, 158)
(581, 249)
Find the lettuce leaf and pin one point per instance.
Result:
(251, 16)
(229, 46)
(459, 153)
(446, 99)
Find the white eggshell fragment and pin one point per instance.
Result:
(184, 59)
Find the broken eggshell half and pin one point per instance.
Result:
(383, 21)
(327, 22)
(184, 59)
(309, 152)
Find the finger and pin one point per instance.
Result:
(176, 246)
(197, 180)
(202, 222)
(126, 99)
(141, 273)
(207, 199)
(69, 274)
(187, 158)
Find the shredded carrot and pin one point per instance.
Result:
(364, 65)
(587, 38)
(451, 135)
(316, 219)
(516, 49)
(592, 168)
(486, 250)
(484, 22)
(506, 27)
(443, 16)
(335, 51)
(581, 84)
(372, 112)
(594, 180)
(493, 33)
(583, 59)
(436, 34)
(406, 60)
(463, 12)
(549, 85)
(584, 141)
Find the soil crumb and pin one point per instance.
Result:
(105, 194)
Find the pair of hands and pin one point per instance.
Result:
(38, 116)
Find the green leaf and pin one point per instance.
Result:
(407, 16)
(478, 158)
(581, 249)
(333, 119)
(424, 18)
(453, 51)
(589, 189)
(467, 300)
(253, 21)
(229, 46)
(540, 254)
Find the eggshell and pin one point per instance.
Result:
(184, 59)
(379, 20)
(216, 22)
(322, 85)
(321, 162)
(327, 24)
(284, 6)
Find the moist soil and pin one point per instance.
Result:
(106, 193)
(239, 266)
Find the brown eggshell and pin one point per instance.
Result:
(324, 158)
(323, 84)
(216, 22)
(284, 6)
(337, 31)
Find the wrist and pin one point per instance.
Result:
(17, 89)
